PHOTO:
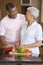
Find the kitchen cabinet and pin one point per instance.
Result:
(41, 50)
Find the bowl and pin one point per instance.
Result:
(7, 48)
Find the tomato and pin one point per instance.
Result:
(13, 50)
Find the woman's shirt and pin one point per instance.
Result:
(31, 34)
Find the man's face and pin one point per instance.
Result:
(13, 13)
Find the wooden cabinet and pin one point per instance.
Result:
(41, 51)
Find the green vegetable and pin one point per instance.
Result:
(20, 50)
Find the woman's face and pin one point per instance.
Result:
(28, 16)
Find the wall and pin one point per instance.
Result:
(42, 11)
(37, 3)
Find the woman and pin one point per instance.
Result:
(31, 34)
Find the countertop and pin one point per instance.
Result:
(33, 58)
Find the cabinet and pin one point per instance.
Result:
(41, 51)
(23, 9)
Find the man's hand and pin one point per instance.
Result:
(17, 45)
(3, 41)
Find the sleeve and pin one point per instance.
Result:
(2, 29)
(39, 33)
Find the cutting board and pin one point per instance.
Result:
(15, 53)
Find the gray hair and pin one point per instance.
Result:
(34, 11)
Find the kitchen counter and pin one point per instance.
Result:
(14, 59)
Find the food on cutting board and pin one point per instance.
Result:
(26, 50)
(23, 50)
(20, 50)
(7, 48)
(13, 50)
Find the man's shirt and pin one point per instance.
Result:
(10, 28)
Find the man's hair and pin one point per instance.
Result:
(9, 6)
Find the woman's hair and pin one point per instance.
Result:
(34, 11)
(9, 6)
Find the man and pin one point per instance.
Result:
(31, 34)
(10, 26)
